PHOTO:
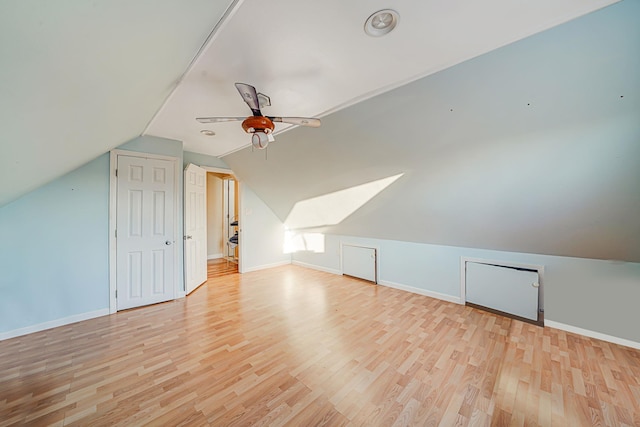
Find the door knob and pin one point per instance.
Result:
(168, 242)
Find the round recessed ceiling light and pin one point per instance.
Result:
(382, 22)
(207, 132)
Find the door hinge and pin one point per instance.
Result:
(115, 233)
(116, 293)
(116, 173)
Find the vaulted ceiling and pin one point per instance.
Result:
(533, 147)
(314, 57)
(79, 78)
(529, 144)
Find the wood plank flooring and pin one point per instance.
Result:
(290, 346)
(220, 267)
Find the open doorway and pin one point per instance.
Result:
(222, 224)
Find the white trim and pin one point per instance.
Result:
(113, 193)
(240, 215)
(242, 147)
(215, 256)
(317, 267)
(228, 219)
(357, 245)
(53, 324)
(463, 275)
(424, 292)
(222, 22)
(592, 334)
(265, 266)
(218, 170)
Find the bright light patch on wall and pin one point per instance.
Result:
(333, 208)
(303, 242)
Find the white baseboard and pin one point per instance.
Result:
(316, 267)
(215, 256)
(53, 324)
(592, 334)
(426, 293)
(265, 266)
(394, 285)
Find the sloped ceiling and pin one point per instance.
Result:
(534, 147)
(313, 57)
(79, 78)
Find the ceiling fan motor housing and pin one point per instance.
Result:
(258, 124)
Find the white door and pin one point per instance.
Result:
(145, 228)
(509, 290)
(195, 227)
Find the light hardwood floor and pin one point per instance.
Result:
(220, 267)
(292, 346)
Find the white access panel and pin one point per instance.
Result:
(358, 261)
(509, 290)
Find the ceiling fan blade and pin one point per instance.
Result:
(219, 119)
(250, 96)
(300, 121)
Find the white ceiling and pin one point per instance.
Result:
(80, 78)
(313, 58)
(530, 148)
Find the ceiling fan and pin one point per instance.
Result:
(260, 127)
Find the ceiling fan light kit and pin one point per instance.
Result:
(260, 140)
(259, 126)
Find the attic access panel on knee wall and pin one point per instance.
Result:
(360, 262)
(508, 288)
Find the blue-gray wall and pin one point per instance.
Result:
(533, 147)
(596, 295)
(55, 256)
(55, 251)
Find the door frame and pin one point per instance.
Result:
(113, 194)
(225, 213)
(239, 213)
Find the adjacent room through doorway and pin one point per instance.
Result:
(222, 224)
